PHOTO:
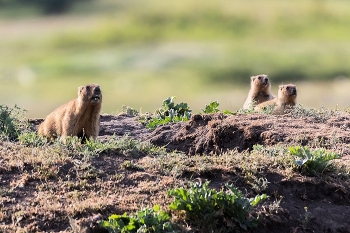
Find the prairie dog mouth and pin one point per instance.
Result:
(96, 98)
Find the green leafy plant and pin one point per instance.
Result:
(169, 112)
(145, 221)
(120, 223)
(32, 139)
(11, 122)
(212, 107)
(312, 162)
(212, 210)
(154, 220)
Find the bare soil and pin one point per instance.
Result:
(72, 199)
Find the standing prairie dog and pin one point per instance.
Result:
(286, 99)
(79, 117)
(259, 91)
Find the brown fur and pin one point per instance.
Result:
(79, 117)
(286, 99)
(259, 91)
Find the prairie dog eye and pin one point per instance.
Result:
(87, 88)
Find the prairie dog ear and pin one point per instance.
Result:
(80, 89)
(253, 78)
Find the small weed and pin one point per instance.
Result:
(267, 109)
(47, 172)
(80, 185)
(312, 162)
(5, 192)
(145, 221)
(305, 220)
(169, 112)
(12, 122)
(181, 109)
(93, 147)
(129, 165)
(129, 146)
(320, 115)
(18, 216)
(228, 112)
(130, 111)
(211, 108)
(118, 177)
(272, 151)
(246, 111)
(258, 184)
(275, 205)
(212, 210)
(90, 173)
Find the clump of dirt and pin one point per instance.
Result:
(121, 125)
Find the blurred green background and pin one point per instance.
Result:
(141, 52)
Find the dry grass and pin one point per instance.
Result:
(43, 185)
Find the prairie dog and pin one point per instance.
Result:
(286, 99)
(259, 91)
(79, 117)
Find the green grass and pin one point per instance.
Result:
(313, 162)
(12, 122)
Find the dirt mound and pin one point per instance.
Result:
(205, 134)
(217, 133)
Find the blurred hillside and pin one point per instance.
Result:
(141, 52)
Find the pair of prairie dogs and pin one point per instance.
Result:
(260, 95)
(79, 117)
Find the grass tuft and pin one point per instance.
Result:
(313, 162)
(12, 122)
(320, 115)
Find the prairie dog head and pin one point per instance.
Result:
(287, 93)
(260, 81)
(90, 93)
